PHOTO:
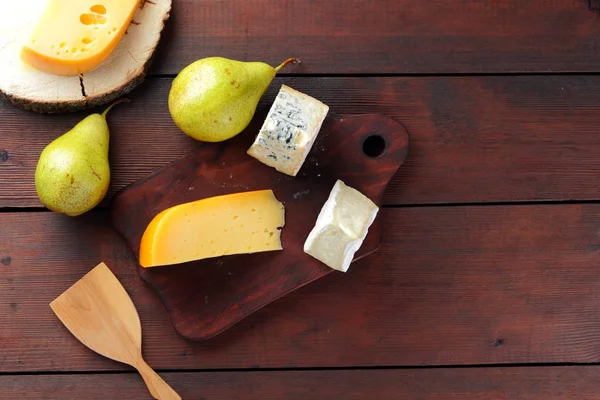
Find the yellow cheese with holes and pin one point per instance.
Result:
(75, 36)
(240, 223)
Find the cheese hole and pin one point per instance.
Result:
(374, 146)
(86, 40)
(63, 44)
(235, 217)
(92, 19)
(98, 8)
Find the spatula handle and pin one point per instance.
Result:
(159, 389)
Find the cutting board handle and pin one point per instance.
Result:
(158, 388)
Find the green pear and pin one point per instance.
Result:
(214, 99)
(73, 173)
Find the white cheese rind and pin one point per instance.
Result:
(289, 131)
(341, 227)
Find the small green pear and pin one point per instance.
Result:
(73, 173)
(214, 99)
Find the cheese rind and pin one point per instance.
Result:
(289, 131)
(74, 37)
(240, 223)
(341, 227)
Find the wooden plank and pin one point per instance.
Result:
(449, 285)
(473, 139)
(387, 36)
(530, 383)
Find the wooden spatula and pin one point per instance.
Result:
(99, 312)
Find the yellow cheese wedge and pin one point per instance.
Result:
(247, 222)
(75, 36)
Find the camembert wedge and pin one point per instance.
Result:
(341, 227)
(239, 223)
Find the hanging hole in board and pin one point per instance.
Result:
(374, 146)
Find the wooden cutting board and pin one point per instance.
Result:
(203, 298)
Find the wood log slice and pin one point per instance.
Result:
(34, 90)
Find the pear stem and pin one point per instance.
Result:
(286, 62)
(119, 101)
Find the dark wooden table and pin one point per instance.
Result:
(491, 251)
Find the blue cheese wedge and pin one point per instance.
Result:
(288, 133)
(341, 227)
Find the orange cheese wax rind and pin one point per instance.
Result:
(239, 223)
(75, 37)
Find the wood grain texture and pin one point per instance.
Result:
(208, 296)
(387, 36)
(530, 383)
(473, 139)
(449, 285)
